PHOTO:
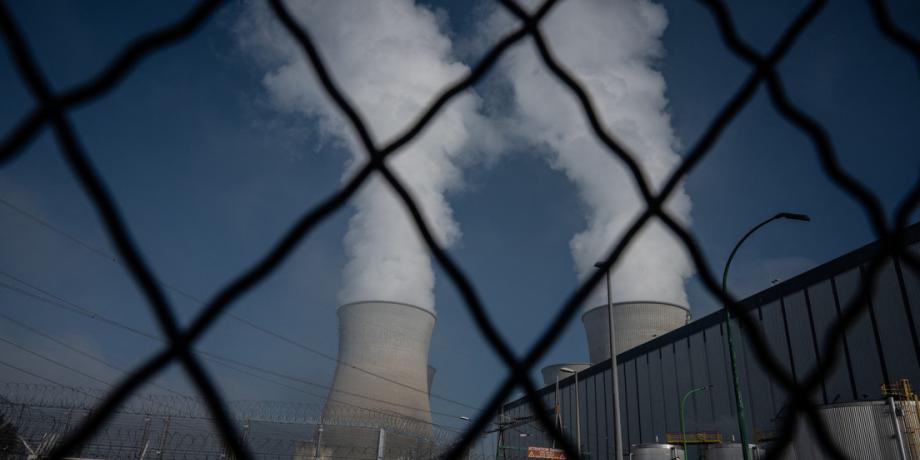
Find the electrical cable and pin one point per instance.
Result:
(53, 361)
(102, 253)
(88, 376)
(68, 367)
(83, 353)
(74, 308)
(51, 381)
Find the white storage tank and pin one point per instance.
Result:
(635, 322)
(864, 429)
(731, 451)
(654, 451)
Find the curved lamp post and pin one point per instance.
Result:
(683, 401)
(739, 405)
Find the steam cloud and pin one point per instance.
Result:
(390, 58)
(610, 45)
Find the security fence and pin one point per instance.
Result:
(172, 427)
(53, 108)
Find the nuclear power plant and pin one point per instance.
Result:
(380, 393)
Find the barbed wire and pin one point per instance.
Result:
(70, 398)
(235, 365)
(180, 435)
(53, 111)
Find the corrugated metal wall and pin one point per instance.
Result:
(881, 347)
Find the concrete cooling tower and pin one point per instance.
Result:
(635, 323)
(388, 339)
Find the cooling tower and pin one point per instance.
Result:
(635, 323)
(391, 340)
(551, 372)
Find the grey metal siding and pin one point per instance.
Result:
(671, 394)
(798, 324)
(794, 317)
(911, 280)
(702, 407)
(891, 314)
(644, 393)
(864, 355)
(656, 394)
(824, 311)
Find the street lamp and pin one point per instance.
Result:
(577, 408)
(617, 440)
(739, 405)
(683, 401)
(469, 453)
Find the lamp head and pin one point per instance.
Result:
(793, 216)
(566, 370)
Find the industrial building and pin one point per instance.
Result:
(657, 368)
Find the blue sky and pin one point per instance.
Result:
(208, 174)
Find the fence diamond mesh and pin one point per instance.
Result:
(52, 112)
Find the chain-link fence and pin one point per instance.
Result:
(53, 112)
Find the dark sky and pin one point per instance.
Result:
(208, 176)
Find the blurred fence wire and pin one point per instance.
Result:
(52, 112)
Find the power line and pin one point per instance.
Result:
(221, 361)
(43, 223)
(224, 362)
(82, 352)
(105, 255)
(46, 379)
(69, 306)
(213, 357)
(307, 382)
(65, 366)
(55, 362)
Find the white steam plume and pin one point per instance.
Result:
(390, 59)
(610, 45)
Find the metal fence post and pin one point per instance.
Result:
(319, 441)
(381, 444)
(897, 428)
(145, 437)
(163, 435)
